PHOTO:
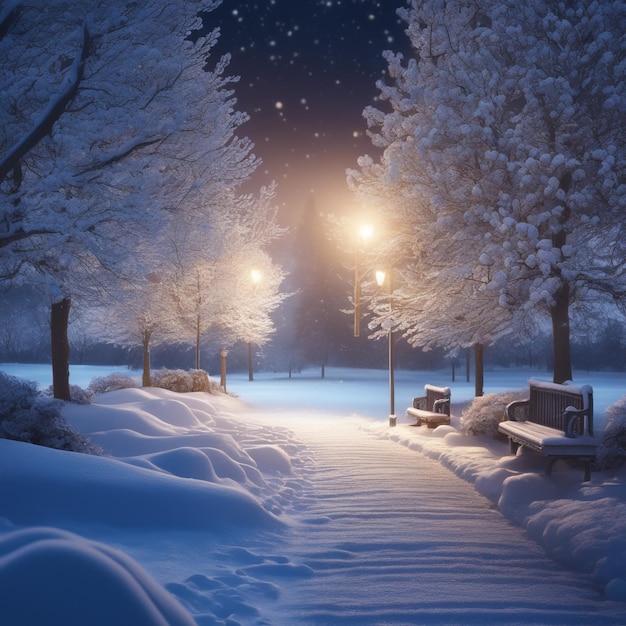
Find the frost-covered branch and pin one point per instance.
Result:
(120, 154)
(51, 114)
(20, 235)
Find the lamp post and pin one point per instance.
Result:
(255, 275)
(365, 232)
(380, 280)
(223, 355)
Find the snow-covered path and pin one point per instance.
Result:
(428, 546)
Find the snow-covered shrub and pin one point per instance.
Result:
(182, 381)
(80, 395)
(30, 416)
(484, 414)
(201, 381)
(612, 448)
(112, 382)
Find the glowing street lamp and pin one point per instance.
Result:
(365, 232)
(255, 276)
(380, 280)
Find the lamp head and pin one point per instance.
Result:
(366, 231)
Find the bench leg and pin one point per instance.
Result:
(513, 446)
(587, 477)
(550, 465)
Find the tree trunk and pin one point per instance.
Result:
(146, 379)
(60, 348)
(561, 336)
(479, 369)
(250, 367)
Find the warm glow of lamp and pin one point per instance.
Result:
(366, 231)
(380, 278)
(255, 275)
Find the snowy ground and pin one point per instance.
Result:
(295, 503)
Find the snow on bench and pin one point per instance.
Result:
(433, 409)
(556, 421)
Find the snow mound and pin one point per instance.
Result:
(42, 484)
(48, 572)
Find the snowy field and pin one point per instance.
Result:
(295, 503)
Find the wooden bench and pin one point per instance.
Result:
(433, 409)
(556, 421)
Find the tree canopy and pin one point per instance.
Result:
(116, 126)
(503, 168)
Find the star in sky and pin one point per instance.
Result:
(307, 70)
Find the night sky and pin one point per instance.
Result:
(308, 68)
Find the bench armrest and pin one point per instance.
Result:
(442, 406)
(517, 411)
(569, 416)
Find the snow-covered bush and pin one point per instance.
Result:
(112, 382)
(30, 416)
(80, 395)
(182, 381)
(612, 449)
(484, 414)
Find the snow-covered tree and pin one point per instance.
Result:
(201, 282)
(504, 159)
(110, 124)
(211, 285)
(136, 313)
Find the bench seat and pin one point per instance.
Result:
(548, 440)
(432, 409)
(556, 421)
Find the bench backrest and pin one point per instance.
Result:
(548, 402)
(433, 394)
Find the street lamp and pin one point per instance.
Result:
(365, 232)
(223, 355)
(255, 275)
(380, 280)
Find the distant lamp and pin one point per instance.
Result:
(380, 281)
(223, 355)
(256, 276)
(365, 233)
